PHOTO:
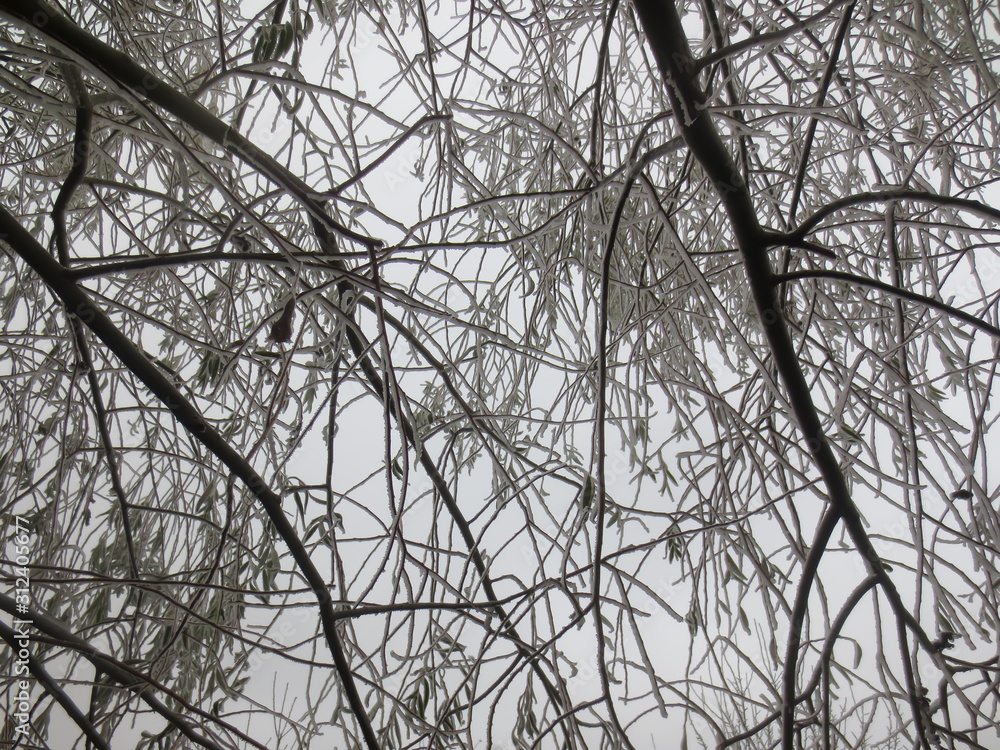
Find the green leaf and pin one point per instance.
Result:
(733, 571)
(589, 486)
(286, 35)
(263, 44)
(209, 370)
(693, 621)
(668, 478)
(307, 25)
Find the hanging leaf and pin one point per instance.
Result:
(587, 498)
(281, 329)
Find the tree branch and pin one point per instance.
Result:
(762, 39)
(884, 196)
(136, 683)
(79, 305)
(51, 687)
(117, 67)
(922, 299)
(666, 37)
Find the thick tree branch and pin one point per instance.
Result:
(922, 299)
(667, 39)
(38, 671)
(136, 683)
(79, 305)
(116, 67)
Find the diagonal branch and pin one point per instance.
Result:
(117, 67)
(770, 37)
(831, 66)
(665, 35)
(894, 290)
(136, 683)
(358, 346)
(79, 305)
(13, 639)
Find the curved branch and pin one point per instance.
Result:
(115, 66)
(381, 159)
(51, 687)
(79, 305)
(600, 428)
(761, 39)
(81, 159)
(797, 620)
(135, 682)
(882, 286)
(883, 196)
(831, 640)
